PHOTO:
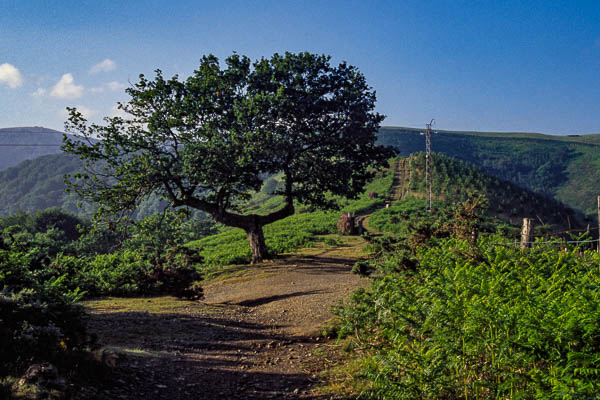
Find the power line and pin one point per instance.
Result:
(28, 145)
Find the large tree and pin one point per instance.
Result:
(208, 141)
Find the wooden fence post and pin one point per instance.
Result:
(526, 232)
(598, 224)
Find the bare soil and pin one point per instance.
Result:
(255, 335)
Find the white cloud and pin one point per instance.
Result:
(115, 111)
(66, 89)
(39, 93)
(86, 112)
(103, 66)
(10, 75)
(115, 86)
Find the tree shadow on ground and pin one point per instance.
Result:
(200, 356)
(265, 300)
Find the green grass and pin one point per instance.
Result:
(381, 185)
(286, 235)
(290, 234)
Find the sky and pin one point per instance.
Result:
(525, 66)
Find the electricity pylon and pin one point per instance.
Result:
(428, 160)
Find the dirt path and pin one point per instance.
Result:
(254, 336)
(402, 173)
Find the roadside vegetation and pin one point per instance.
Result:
(50, 261)
(450, 316)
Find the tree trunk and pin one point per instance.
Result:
(257, 244)
(252, 224)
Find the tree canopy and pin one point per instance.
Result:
(208, 141)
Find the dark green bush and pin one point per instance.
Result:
(363, 267)
(39, 320)
(129, 272)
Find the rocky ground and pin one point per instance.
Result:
(255, 335)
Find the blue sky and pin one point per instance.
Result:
(474, 65)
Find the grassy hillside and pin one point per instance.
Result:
(559, 167)
(454, 181)
(562, 167)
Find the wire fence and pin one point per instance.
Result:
(559, 233)
(579, 237)
(555, 242)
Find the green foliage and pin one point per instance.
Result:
(131, 272)
(151, 260)
(401, 217)
(144, 258)
(39, 319)
(44, 220)
(561, 168)
(299, 230)
(210, 141)
(363, 267)
(499, 324)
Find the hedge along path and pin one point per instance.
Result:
(254, 336)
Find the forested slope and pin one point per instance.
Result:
(38, 184)
(566, 168)
(455, 181)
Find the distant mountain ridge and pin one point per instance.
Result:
(565, 168)
(26, 143)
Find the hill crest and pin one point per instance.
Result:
(564, 168)
(26, 143)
